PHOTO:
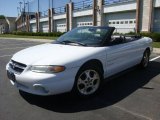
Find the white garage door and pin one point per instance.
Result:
(33, 27)
(44, 27)
(60, 25)
(83, 21)
(124, 22)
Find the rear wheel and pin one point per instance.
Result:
(145, 59)
(88, 81)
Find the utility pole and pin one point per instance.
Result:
(20, 4)
(37, 17)
(52, 23)
(27, 17)
(49, 4)
(38, 6)
(18, 10)
(27, 3)
(52, 3)
(24, 14)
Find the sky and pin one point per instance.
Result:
(9, 7)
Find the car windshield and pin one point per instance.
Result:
(85, 36)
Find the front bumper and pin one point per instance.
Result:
(43, 83)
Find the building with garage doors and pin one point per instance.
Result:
(7, 25)
(125, 15)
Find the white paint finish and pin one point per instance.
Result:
(114, 59)
(157, 3)
(123, 56)
(43, 19)
(60, 16)
(82, 13)
(127, 6)
(55, 84)
(33, 21)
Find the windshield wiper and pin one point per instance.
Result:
(75, 42)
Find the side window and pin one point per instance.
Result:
(116, 40)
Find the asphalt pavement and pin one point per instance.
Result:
(133, 95)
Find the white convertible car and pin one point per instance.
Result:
(78, 61)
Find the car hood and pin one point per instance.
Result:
(53, 54)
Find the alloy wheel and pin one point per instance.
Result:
(145, 59)
(88, 82)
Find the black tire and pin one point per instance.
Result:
(145, 60)
(91, 83)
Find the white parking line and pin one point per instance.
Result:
(17, 44)
(13, 48)
(133, 113)
(5, 56)
(153, 59)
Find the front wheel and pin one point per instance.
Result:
(145, 59)
(88, 81)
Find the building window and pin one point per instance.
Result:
(130, 22)
(122, 22)
(126, 22)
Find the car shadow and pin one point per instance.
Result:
(112, 92)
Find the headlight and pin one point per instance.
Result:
(47, 69)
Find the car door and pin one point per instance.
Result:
(120, 57)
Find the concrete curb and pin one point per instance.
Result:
(28, 39)
(156, 50)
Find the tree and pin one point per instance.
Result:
(2, 17)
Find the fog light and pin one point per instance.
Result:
(40, 88)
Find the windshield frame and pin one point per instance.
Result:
(105, 38)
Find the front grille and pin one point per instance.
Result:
(17, 67)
